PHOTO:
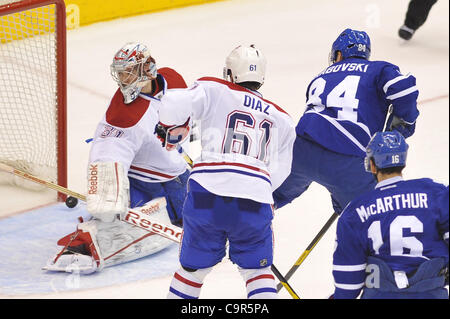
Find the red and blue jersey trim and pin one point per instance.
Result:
(229, 167)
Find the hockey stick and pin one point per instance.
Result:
(388, 115)
(283, 280)
(327, 225)
(133, 216)
(310, 247)
(185, 156)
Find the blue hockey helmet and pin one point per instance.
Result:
(387, 149)
(351, 43)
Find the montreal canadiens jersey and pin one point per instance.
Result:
(246, 140)
(348, 102)
(404, 223)
(126, 134)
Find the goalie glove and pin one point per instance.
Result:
(108, 190)
(403, 127)
(171, 135)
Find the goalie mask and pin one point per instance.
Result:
(245, 64)
(132, 68)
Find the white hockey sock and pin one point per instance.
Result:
(260, 283)
(187, 285)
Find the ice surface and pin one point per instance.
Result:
(296, 37)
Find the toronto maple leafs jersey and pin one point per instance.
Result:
(126, 134)
(403, 223)
(246, 140)
(348, 102)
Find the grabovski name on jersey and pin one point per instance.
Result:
(349, 67)
(348, 102)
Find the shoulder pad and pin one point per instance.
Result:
(125, 115)
(237, 87)
(173, 78)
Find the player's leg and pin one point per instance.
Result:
(299, 179)
(345, 178)
(251, 246)
(203, 244)
(176, 192)
(416, 16)
(142, 192)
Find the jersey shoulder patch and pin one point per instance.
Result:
(125, 115)
(173, 78)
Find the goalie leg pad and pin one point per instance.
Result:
(122, 242)
(113, 243)
(108, 190)
(82, 240)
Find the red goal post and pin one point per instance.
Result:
(33, 83)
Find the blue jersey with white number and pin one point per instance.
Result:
(403, 223)
(348, 102)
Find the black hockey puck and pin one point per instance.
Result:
(71, 202)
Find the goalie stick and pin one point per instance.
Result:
(132, 216)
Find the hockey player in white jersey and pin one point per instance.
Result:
(127, 168)
(246, 153)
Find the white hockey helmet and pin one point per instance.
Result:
(245, 64)
(132, 68)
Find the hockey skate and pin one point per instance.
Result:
(72, 263)
(405, 33)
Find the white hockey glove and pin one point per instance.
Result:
(108, 190)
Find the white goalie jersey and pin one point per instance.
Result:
(126, 135)
(246, 140)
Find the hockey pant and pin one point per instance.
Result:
(210, 221)
(344, 176)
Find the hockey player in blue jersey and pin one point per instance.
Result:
(346, 104)
(392, 243)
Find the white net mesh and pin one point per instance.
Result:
(28, 91)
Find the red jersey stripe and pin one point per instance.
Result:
(140, 169)
(233, 164)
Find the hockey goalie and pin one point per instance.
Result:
(128, 167)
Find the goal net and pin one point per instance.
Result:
(33, 90)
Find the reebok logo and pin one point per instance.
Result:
(150, 209)
(170, 232)
(93, 179)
